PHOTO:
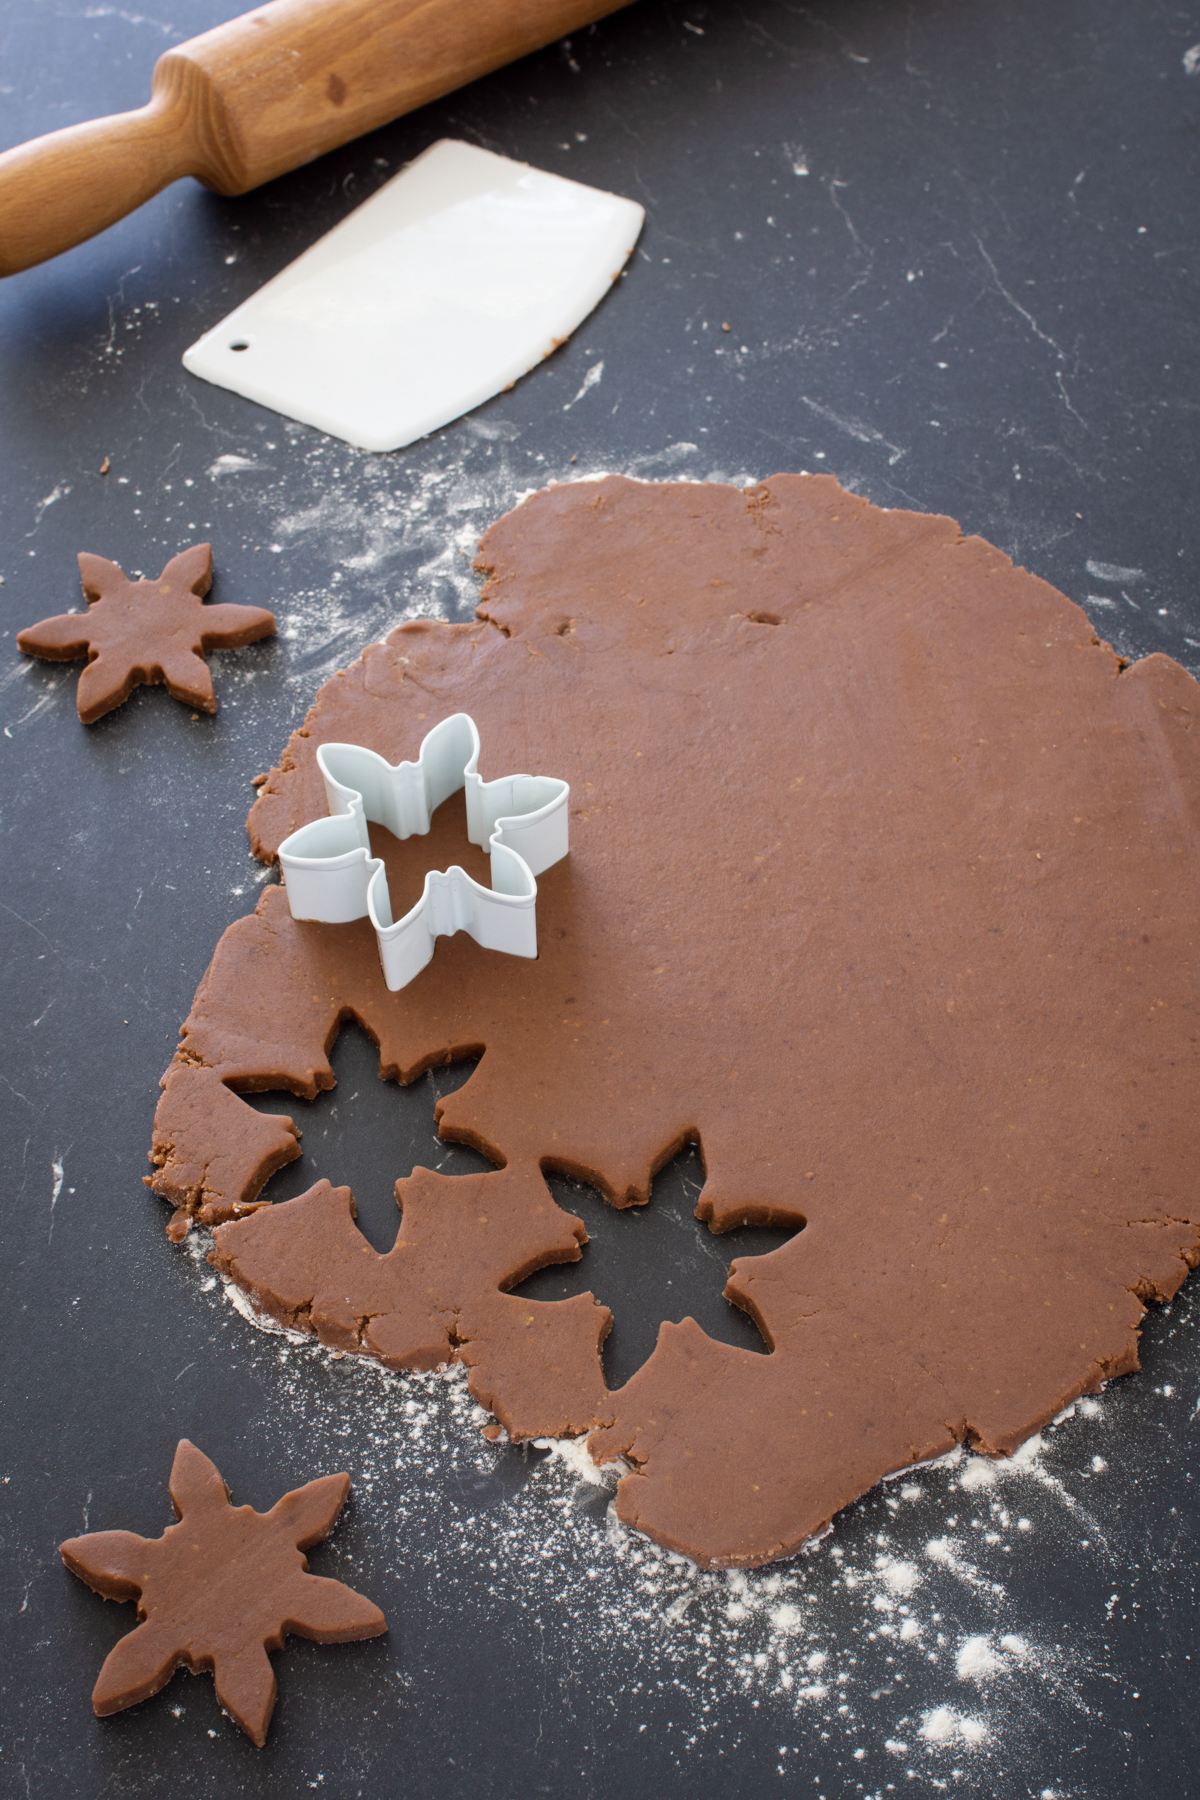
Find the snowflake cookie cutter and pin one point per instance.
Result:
(520, 821)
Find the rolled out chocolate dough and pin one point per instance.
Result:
(883, 888)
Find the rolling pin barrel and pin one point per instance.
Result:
(261, 95)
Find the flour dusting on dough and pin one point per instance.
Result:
(828, 1643)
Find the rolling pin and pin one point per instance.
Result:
(263, 94)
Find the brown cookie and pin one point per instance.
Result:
(883, 888)
(137, 633)
(218, 1590)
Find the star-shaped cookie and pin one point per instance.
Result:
(218, 1590)
(138, 633)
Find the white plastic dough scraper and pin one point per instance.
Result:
(451, 282)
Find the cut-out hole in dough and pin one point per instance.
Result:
(367, 1134)
(655, 1262)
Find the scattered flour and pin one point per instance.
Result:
(944, 1725)
(234, 464)
(573, 1454)
(852, 1641)
(361, 543)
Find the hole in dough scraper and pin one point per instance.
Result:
(452, 281)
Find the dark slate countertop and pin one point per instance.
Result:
(956, 246)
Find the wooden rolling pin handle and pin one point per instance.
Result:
(260, 95)
(65, 187)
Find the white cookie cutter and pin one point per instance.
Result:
(520, 820)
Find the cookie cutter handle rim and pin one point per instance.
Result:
(403, 796)
(452, 901)
(521, 822)
(538, 834)
(327, 869)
